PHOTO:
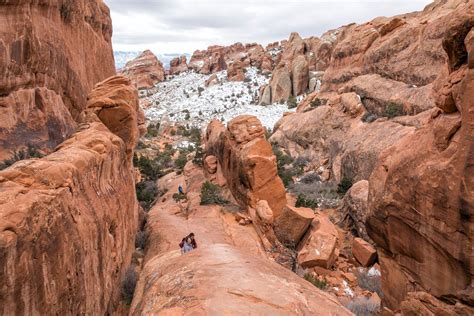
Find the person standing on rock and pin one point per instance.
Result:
(188, 243)
(180, 189)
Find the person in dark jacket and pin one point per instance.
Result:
(188, 243)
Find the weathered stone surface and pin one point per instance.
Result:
(363, 252)
(235, 71)
(51, 55)
(211, 81)
(292, 224)
(354, 209)
(145, 71)
(68, 220)
(435, 163)
(300, 75)
(320, 245)
(265, 95)
(221, 279)
(281, 85)
(247, 162)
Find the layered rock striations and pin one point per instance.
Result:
(68, 220)
(145, 71)
(52, 53)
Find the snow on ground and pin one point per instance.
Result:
(185, 99)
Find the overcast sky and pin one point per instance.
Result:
(182, 26)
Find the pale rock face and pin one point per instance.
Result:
(265, 95)
(50, 60)
(145, 71)
(54, 211)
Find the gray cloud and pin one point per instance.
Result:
(167, 26)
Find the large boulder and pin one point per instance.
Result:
(300, 75)
(68, 220)
(235, 71)
(292, 224)
(435, 163)
(145, 71)
(178, 65)
(52, 53)
(281, 85)
(354, 209)
(363, 252)
(320, 245)
(247, 162)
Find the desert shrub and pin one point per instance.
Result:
(181, 161)
(152, 130)
(247, 80)
(187, 117)
(292, 102)
(320, 284)
(285, 170)
(368, 117)
(29, 152)
(344, 185)
(179, 197)
(286, 175)
(370, 280)
(147, 192)
(364, 306)
(141, 239)
(310, 178)
(318, 102)
(268, 133)
(300, 162)
(211, 194)
(323, 193)
(394, 109)
(199, 156)
(129, 282)
(195, 134)
(303, 201)
(148, 167)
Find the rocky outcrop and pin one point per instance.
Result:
(221, 279)
(178, 65)
(292, 224)
(247, 162)
(435, 163)
(68, 220)
(144, 71)
(235, 71)
(363, 252)
(354, 209)
(51, 55)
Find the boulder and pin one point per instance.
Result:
(68, 220)
(47, 69)
(354, 209)
(210, 164)
(281, 85)
(211, 81)
(178, 65)
(247, 162)
(363, 252)
(351, 104)
(145, 71)
(292, 224)
(235, 71)
(320, 245)
(300, 76)
(265, 95)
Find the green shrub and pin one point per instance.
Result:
(344, 185)
(181, 161)
(303, 201)
(292, 102)
(179, 197)
(129, 282)
(364, 306)
(394, 109)
(29, 152)
(318, 102)
(320, 284)
(199, 156)
(187, 117)
(211, 194)
(148, 167)
(368, 117)
(147, 192)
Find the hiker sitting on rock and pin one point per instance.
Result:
(188, 243)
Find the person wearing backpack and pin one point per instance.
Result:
(188, 243)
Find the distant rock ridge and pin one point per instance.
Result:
(68, 220)
(144, 71)
(47, 69)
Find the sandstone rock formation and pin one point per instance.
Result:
(363, 252)
(145, 71)
(319, 246)
(235, 71)
(68, 220)
(178, 65)
(354, 209)
(51, 55)
(425, 244)
(292, 224)
(247, 162)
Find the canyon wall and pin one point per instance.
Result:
(421, 198)
(68, 220)
(51, 55)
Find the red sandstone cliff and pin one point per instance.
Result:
(51, 55)
(144, 71)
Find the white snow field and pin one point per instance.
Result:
(185, 99)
